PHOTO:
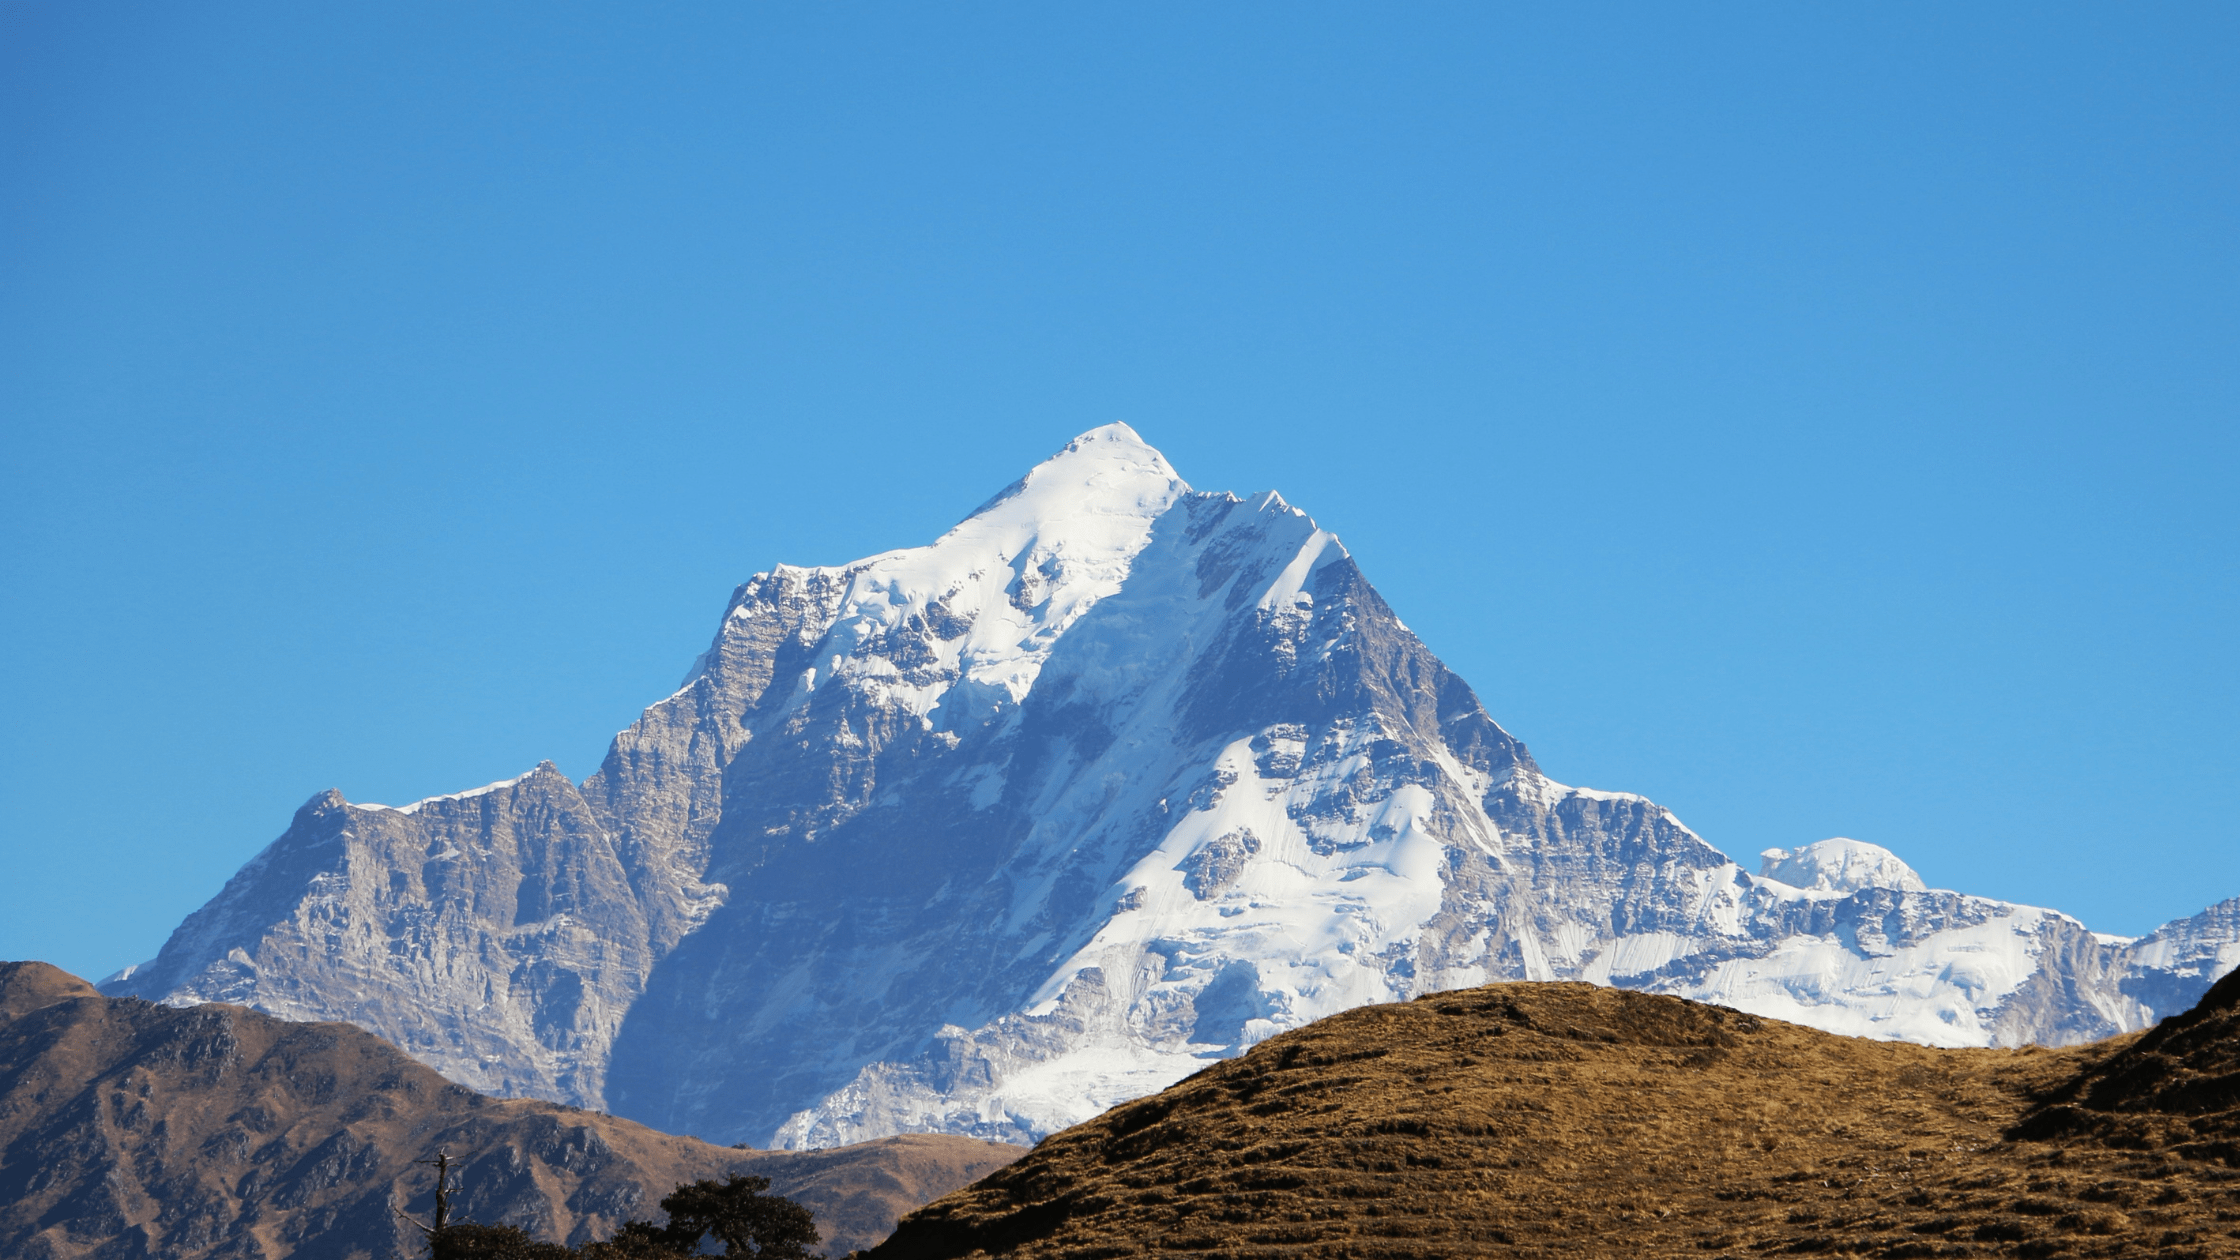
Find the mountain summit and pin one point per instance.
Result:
(1113, 779)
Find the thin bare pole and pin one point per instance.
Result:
(442, 1165)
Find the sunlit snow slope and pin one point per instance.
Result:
(1113, 778)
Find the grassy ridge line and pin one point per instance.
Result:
(1570, 1120)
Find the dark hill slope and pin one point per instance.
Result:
(131, 1130)
(2174, 1088)
(1569, 1120)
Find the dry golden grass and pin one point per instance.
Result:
(1570, 1120)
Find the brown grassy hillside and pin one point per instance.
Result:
(131, 1130)
(1569, 1120)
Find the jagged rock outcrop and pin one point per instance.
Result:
(1114, 778)
(495, 934)
(2168, 968)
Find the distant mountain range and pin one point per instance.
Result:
(1113, 779)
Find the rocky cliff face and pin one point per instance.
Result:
(1113, 779)
(495, 934)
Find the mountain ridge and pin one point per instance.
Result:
(1114, 777)
(132, 1129)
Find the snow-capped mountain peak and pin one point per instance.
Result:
(1839, 865)
(986, 835)
(963, 625)
(1107, 472)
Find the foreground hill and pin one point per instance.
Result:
(1568, 1120)
(134, 1130)
(1113, 778)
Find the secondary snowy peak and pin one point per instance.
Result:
(1839, 866)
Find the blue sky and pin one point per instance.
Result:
(1819, 419)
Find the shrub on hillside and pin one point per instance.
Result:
(736, 1212)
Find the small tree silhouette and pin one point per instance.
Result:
(736, 1211)
(469, 1241)
(638, 1240)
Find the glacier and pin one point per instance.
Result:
(1114, 778)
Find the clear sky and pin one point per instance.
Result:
(1819, 418)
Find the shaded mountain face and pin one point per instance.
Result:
(1569, 1120)
(1114, 779)
(131, 1129)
